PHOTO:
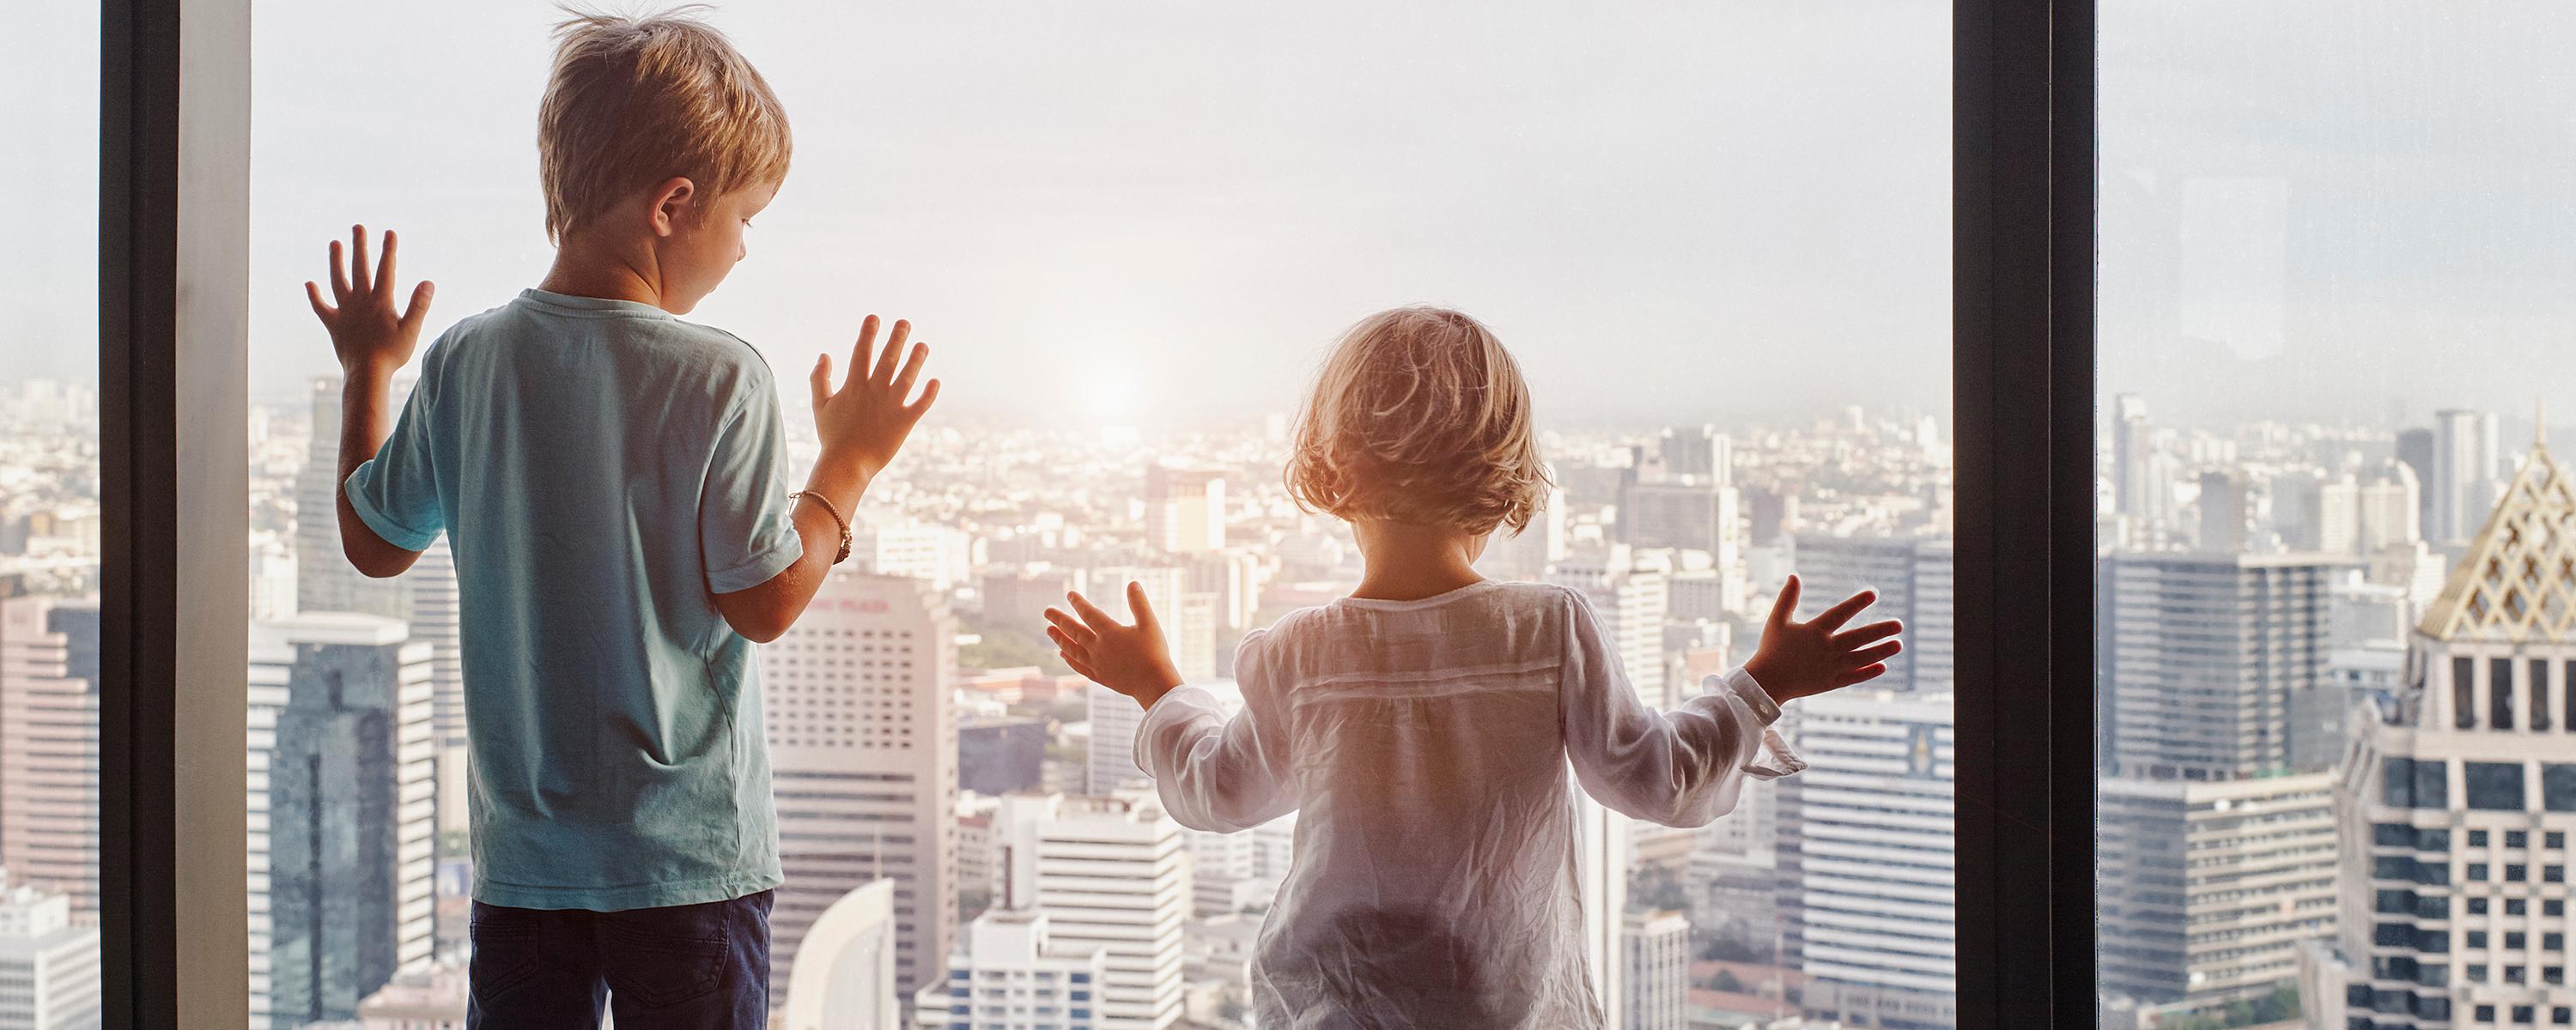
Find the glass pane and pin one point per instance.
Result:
(49, 522)
(1716, 239)
(2335, 605)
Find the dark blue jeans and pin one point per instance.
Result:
(688, 967)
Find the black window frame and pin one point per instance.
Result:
(173, 209)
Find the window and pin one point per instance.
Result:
(2495, 786)
(51, 521)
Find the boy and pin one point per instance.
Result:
(611, 480)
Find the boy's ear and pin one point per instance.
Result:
(672, 201)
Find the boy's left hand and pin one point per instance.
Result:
(372, 339)
(1131, 659)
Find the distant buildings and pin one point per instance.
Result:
(342, 818)
(1877, 904)
(1013, 971)
(1655, 950)
(1184, 509)
(49, 666)
(2208, 889)
(2214, 666)
(49, 965)
(1109, 874)
(862, 728)
(2454, 806)
(1001, 755)
(1914, 584)
(844, 975)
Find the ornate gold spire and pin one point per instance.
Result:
(2518, 580)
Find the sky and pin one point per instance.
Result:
(1672, 211)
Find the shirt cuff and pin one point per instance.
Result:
(1750, 691)
(1166, 708)
(379, 521)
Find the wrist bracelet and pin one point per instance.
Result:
(837, 520)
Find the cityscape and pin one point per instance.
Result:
(2308, 635)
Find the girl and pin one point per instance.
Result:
(1422, 725)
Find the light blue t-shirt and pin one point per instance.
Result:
(601, 470)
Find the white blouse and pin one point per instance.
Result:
(1424, 746)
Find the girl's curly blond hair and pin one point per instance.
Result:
(1419, 416)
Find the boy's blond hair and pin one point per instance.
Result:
(634, 101)
(1420, 416)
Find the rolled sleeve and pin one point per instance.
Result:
(1782, 760)
(745, 535)
(396, 492)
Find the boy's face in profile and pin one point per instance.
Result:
(699, 248)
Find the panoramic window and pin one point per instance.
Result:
(2335, 605)
(1715, 237)
(49, 526)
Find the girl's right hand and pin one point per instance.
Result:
(1131, 659)
(1803, 659)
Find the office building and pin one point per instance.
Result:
(2213, 666)
(1700, 452)
(1632, 601)
(862, 725)
(2224, 508)
(2208, 890)
(1875, 905)
(1184, 509)
(844, 977)
(1110, 874)
(1013, 970)
(1656, 954)
(49, 666)
(2455, 804)
(2466, 469)
(342, 817)
(1912, 578)
(1001, 754)
(49, 963)
(436, 1000)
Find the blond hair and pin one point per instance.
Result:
(634, 101)
(1419, 416)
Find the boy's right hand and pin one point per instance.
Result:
(1132, 660)
(1802, 659)
(866, 421)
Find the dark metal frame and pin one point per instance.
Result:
(2023, 378)
(138, 283)
(2023, 162)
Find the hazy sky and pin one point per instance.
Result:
(1719, 210)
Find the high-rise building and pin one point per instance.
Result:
(938, 555)
(2213, 666)
(1108, 873)
(2388, 510)
(49, 658)
(2415, 451)
(343, 822)
(1231, 872)
(2455, 804)
(1876, 906)
(2138, 491)
(2223, 511)
(1913, 580)
(1632, 601)
(1001, 754)
(2465, 470)
(1114, 718)
(1701, 452)
(1184, 509)
(862, 725)
(49, 963)
(1656, 955)
(2208, 890)
(1013, 969)
(844, 976)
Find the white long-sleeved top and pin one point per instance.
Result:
(1424, 746)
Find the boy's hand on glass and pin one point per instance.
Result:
(1802, 659)
(371, 338)
(866, 421)
(1131, 659)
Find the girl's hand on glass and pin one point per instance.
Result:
(1132, 659)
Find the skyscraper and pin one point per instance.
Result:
(2137, 491)
(862, 728)
(1012, 970)
(2465, 469)
(1184, 509)
(1701, 452)
(2208, 890)
(2454, 808)
(2223, 511)
(1879, 865)
(2213, 666)
(1632, 602)
(1913, 580)
(1655, 949)
(1108, 873)
(844, 975)
(344, 758)
(49, 828)
(49, 965)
